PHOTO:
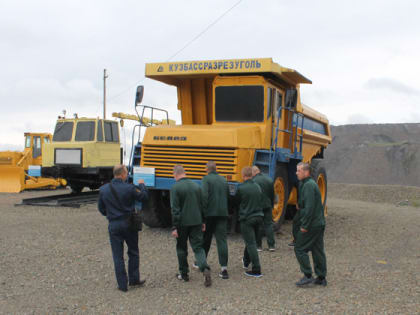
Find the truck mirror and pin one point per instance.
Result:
(139, 94)
(291, 98)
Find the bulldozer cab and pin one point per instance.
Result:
(34, 142)
(21, 170)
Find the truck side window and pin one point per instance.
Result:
(100, 133)
(269, 101)
(111, 131)
(279, 99)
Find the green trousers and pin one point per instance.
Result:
(195, 235)
(217, 226)
(266, 227)
(249, 230)
(296, 225)
(313, 241)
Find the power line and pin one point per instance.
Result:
(185, 46)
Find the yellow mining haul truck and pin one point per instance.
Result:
(237, 113)
(22, 170)
(83, 151)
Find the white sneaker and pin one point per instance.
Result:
(259, 249)
(243, 264)
(195, 266)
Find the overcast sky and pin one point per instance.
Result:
(362, 56)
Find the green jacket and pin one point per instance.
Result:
(267, 187)
(248, 197)
(311, 212)
(215, 194)
(186, 203)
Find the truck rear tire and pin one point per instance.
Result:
(157, 211)
(319, 174)
(281, 195)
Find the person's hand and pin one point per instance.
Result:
(303, 230)
(175, 233)
(203, 228)
(140, 181)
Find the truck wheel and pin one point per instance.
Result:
(76, 189)
(157, 212)
(319, 175)
(281, 195)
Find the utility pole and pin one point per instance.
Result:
(105, 77)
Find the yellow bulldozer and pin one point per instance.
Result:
(22, 170)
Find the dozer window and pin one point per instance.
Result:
(240, 103)
(63, 131)
(28, 142)
(85, 131)
(111, 131)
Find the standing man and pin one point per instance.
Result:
(267, 187)
(116, 202)
(248, 197)
(215, 194)
(310, 237)
(187, 222)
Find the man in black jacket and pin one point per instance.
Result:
(117, 203)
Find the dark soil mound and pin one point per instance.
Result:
(385, 154)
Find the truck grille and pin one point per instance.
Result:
(193, 159)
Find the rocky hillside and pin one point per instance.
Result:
(385, 154)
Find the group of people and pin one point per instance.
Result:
(199, 213)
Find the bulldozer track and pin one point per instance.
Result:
(64, 200)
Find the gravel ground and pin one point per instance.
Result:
(58, 260)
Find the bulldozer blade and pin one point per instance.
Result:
(12, 179)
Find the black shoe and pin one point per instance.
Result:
(184, 278)
(244, 265)
(305, 281)
(292, 244)
(255, 274)
(139, 283)
(123, 289)
(224, 274)
(207, 277)
(322, 282)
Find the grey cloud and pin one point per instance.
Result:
(390, 84)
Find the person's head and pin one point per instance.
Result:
(211, 167)
(247, 173)
(303, 170)
(179, 172)
(120, 171)
(255, 170)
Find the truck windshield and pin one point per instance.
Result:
(240, 103)
(85, 131)
(63, 131)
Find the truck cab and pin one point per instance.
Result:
(236, 113)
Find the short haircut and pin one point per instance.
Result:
(247, 171)
(211, 166)
(255, 170)
(305, 166)
(179, 169)
(119, 170)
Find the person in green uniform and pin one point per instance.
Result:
(267, 187)
(310, 236)
(249, 198)
(215, 194)
(187, 224)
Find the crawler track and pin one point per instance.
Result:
(64, 200)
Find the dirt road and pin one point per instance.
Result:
(58, 260)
